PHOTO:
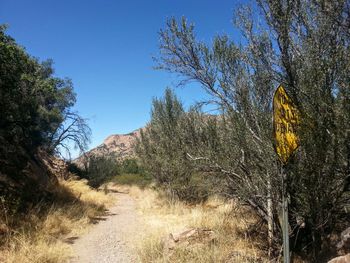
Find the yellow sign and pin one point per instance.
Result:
(285, 119)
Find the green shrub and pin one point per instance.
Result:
(75, 169)
(132, 179)
(131, 166)
(101, 169)
(164, 146)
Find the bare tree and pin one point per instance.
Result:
(74, 130)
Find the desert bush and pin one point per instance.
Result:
(163, 146)
(101, 169)
(76, 170)
(140, 180)
(131, 166)
(303, 46)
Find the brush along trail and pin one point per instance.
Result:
(109, 240)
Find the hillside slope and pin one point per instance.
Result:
(120, 146)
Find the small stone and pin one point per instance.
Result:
(344, 243)
(188, 238)
(341, 259)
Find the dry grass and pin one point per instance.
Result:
(229, 221)
(44, 233)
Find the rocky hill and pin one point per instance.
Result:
(120, 146)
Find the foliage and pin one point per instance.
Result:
(131, 166)
(76, 170)
(305, 47)
(36, 117)
(164, 145)
(100, 169)
(140, 180)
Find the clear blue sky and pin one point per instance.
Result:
(106, 48)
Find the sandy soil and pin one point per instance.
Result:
(110, 239)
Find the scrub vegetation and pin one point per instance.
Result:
(230, 222)
(212, 165)
(191, 154)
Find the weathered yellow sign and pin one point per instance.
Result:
(285, 118)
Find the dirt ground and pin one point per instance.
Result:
(110, 239)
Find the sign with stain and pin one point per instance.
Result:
(285, 118)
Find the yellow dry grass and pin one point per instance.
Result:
(44, 233)
(229, 221)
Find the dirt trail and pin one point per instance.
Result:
(109, 240)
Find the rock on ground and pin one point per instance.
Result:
(341, 259)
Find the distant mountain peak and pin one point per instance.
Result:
(120, 146)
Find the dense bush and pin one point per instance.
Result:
(130, 166)
(163, 149)
(36, 119)
(76, 170)
(141, 180)
(303, 45)
(100, 169)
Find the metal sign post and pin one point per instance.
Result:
(285, 226)
(285, 119)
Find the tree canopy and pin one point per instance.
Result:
(36, 112)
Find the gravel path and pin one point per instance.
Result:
(109, 239)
